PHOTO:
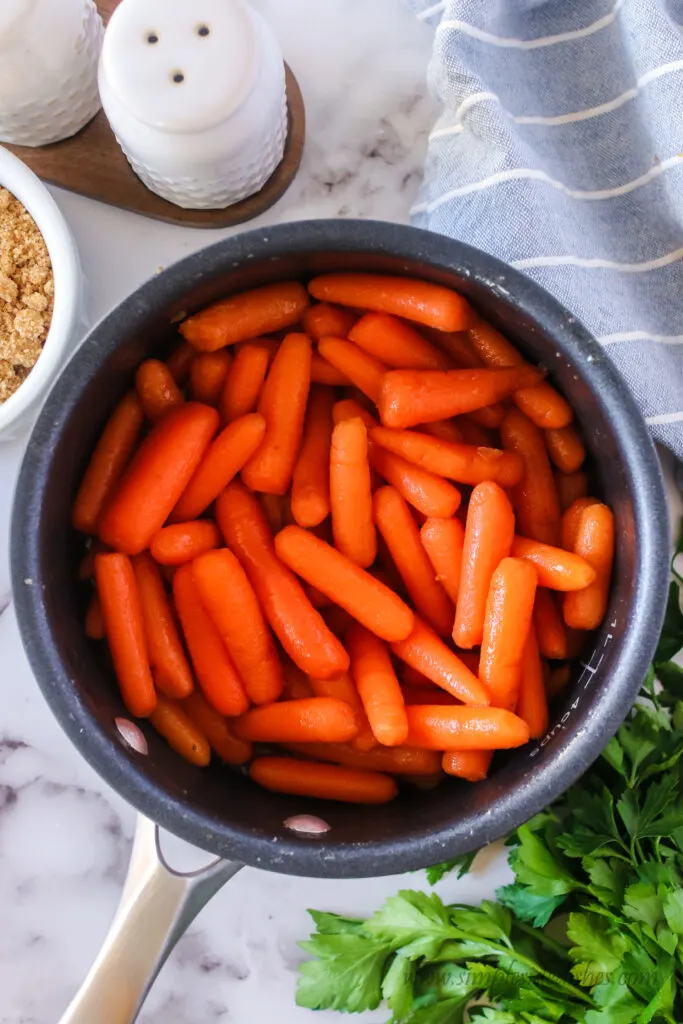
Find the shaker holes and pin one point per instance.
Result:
(152, 38)
(178, 77)
(203, 30)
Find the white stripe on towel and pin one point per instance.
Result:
(663, 339)
(531, 44)
(666, 417)
(585, 261)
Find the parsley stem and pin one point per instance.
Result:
(540, 936)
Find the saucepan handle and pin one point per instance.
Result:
(157, 906)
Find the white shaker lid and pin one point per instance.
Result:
(12, 11)
(180, 65)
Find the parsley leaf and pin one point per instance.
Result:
(347, 974)
(463, 863)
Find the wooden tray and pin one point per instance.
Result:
(92, 164)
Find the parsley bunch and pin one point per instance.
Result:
(591, 930)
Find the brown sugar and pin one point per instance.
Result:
(26, 293)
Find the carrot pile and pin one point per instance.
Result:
(346, 542)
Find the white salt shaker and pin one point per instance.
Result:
(49, 50)
(194, 91)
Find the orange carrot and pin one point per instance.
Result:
(325, 321)
(378, 686)
(353, 527)
(283, 404)
(417, 300)
(311, 479)
(159, 473)
(410, 677)
(180, 361)
(447, 430)
(396, 343)
(557, 569)
(86, 566)
(229, 452)
(394, 760)
(425, 651)
(296, 684)
(164, 649)
(216, 673)
(509, 608)
(558, 680)
(490, 416)
(298, 626)
(273, 506)
(311, 720)
(349, 586)
(316, 597)
(229, 599)
(344, 688)
(208, 374)
(443, 540)
(473, 433)
(427, 695)
(429, 493)
(223, 741)
(595, 543)
(566, 449)
(272, 307)
(349, 409)
(123, 625)
(94, 621)
(456, 345)
(571, 486)
(323, 372)
(243, 383)
(472, 765)
(462, 462)
(324, 781)
(551, 631)
(181, 732)
(461, 728)
(182, 542)
(107, 463)
(571, 519)
(535, 498)
(157, 389)
(489, 531)
(532, 705)
(409, 397)
(362, 369)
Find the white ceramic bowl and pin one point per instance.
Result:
(68, 323)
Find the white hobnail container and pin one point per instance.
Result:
(49, 51)
(195, 94)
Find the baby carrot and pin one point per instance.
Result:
(157, 389)
(207, 376)
(179, 362)
(311, 479)
(435, 727)
(311, 720)
(244, 381)
(456, 345)
(364, 597)
(557, 569)
(164, 649)
(489, 416)
(182, 542)
(571, 486)
(571, 519)
(396, 343)
(353, 527)
(395, 760)
(472, 765)
(428, 493)
(181, 732)
(229, 452)
(283, 404)
(296, 684)
(344, 688)
(125, 631)
(427, 695)
(273, 506)
(509, 608)
(159, 473)
(272, 307)
(425, 651)
(409, 397)
(462, 462)
(299, 627)
(107, 463)
(595, 543)
(489, 531)
(378, 686)
(535, 498)
(551, 631)
(566, 449)
(364, 370)
(322, 320)
(323, 372)
(86, 566)
(532, 705)
(443, 540)
(447, 430)
(421, 301)
(348, 409)
(229, 747)
(324, 781)
(216, 673)
(480, 437)
(94, 621)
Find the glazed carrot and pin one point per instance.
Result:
(231, 602)
(296, 685)
(395, 760)
(571, 486)
(425, 651)
(551, 631)
(378, 686)
(489, 531)
(411, 678)
(427, 695)
(179, 362)
(216, 673)
(243, 383)
(364, 370)
(348, 409)
(323, 372)
(409, 397)
(107, 463)
(299, 627)
(461, 728)
(123, 625)
(283, 404)
(456, 345)
(535, 498)
(159, 473)
(447, 430)
(310, 500)
(472, 765)
(344, 688)
(532, 705)
(509, 608)
(164, 648)
(417, 300)
(462, 462)
(566, 449)
(397, 344)
(571, 519)
(322, 320)
(311, 720)
(557, 569)
(157, 389)
(208, 374)
(94, 621)
(595, 543)
(349, 586)
(353, 527)
(182, 542)
(86, 566)
(443, 540)
(181, 732)
(428, 493)
(223, 741)
(558, 680)
(490, 416)
(273, 506)
(316, 597)
(273, 307)
(473, 433)
(324, 781)
(229, 452)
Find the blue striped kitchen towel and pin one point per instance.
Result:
(560, 150)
